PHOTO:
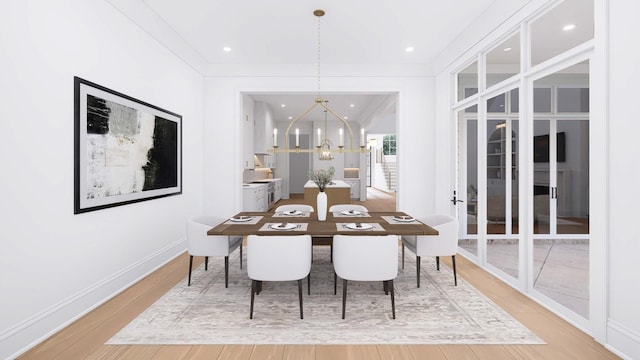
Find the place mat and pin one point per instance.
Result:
(391, 220)
(282, 214)
(340, 214)
(254, 220)
(374, 227)
(437, 312)
(299, 227)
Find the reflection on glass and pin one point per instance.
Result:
(564, 27)
(561, 272)
(503, 61)
(472, 176)
(541, 177)
(503, 254)
(468, 81)
(572, 194)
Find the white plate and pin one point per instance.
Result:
(283, 226)
(355, 226)
(351, 212)
(403, 218)
(293, 212)
(241, 218)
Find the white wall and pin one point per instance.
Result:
(624, 193)
(55, 265)
(416, 134)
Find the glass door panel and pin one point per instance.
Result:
(468, 180)
(572, 193)
(541, 177)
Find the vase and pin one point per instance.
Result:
(321, 205)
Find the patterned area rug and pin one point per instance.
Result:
(436, 313)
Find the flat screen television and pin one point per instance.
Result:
(541, 148)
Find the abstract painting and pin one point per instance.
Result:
(126, 150)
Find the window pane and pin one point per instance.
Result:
(548, 39)
(573, 100)
(468, 79)
(542, 100)
(503, 61)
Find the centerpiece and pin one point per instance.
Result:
(322, 178)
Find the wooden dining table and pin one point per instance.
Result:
(380, 223)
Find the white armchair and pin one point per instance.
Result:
(443, 244)
(201, 244)
(366, 258)
(278, 258)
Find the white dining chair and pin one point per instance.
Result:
(365, 258)
(443, 244)
(278, 258)
(348, 207)
(201, 244)
(293, 207)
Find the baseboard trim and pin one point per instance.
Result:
(622, 341)
(37, 328)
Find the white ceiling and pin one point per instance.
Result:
(284, 33)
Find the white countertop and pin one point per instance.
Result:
(266, 180)
(336, 184)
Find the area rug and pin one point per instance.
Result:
(436, 313)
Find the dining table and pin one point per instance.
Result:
(336, 223)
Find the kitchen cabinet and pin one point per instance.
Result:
(255, 197)
(354, 190)
(263, 128)
(247, 133)
(278, 189)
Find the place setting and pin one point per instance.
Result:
(360, 226)
(243, 220)
(292, 213)
(284, 226)
(400, 219)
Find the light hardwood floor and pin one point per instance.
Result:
(85, 338)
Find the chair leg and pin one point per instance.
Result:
(455, 277)
(300, 296)
(344, 296)
(226, 271)
(254, 289)
(309, 284)
(393, 300)
(418, 269)
(335, 283)
(331, 249)
(240, 256)
(403, 255)
(385, 287)
(190, 265)
(206, 263)
(438, 263)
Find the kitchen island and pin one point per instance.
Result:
(338, 192)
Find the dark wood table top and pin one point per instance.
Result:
(323, 228)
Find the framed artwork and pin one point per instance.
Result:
(125, 150)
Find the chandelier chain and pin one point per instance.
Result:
(318, 56)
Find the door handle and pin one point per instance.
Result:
(455, 200)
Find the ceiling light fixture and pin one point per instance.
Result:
(568, 27)
(323, 145)
(409, 49)
(226, 49)
(507, 49)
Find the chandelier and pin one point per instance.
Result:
(324, 146)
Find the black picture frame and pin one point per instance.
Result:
(125, 150)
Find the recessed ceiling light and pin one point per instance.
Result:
(409, 49)
(226, 49)
(290, 117)
(346, 117)
(351, 105)
(568, 27)
(507, 49)
(283, 105)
